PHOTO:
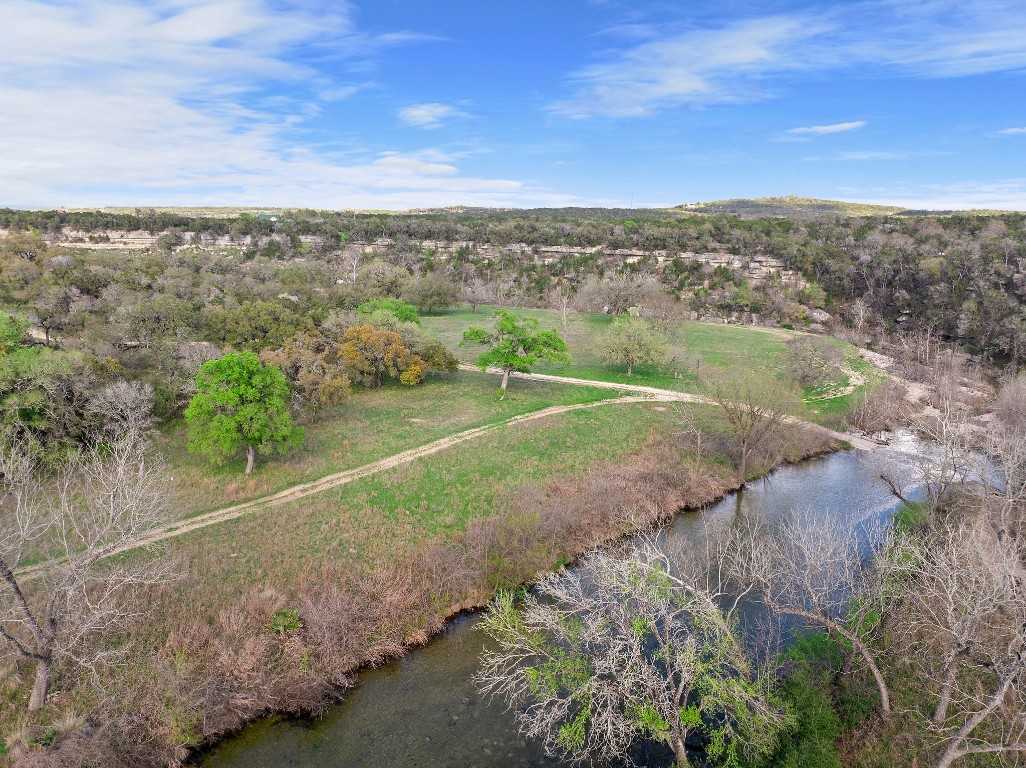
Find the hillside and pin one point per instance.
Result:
(790, 207)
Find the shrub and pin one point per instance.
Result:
(285, 621)
(401, 310)
(374, 354)
(813, 361)
(811, 741)
(909, 517)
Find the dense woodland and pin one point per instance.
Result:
(86, 317)
(962, 277)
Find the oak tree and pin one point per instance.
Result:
(516, 344)
(240, 405)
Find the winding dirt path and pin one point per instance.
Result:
(856, 441)
(180, 527)
(637, 393)
(855, 380)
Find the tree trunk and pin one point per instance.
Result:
(742, 469)
(41, 686)
(680, 752)
(630, 368)
(885, 698)
(951, 754)
(860, 647)
(940, 714)
(863, 651)
(250, 458)
(956, 747)
(504, 384)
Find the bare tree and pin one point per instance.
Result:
(1010, 404)
(813, 361)
(101, 501)
(756, 408)
(811, 566)
(952, 458)
(965, 623)
(561, 297)
(629, 647)
(880, 408)
(690, 430)
(1005, 446)
(859, 313)
(477, 292)
(122, 407)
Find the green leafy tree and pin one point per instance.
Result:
(41, 390)
(631, 342)
(255, 325)
(240, 405)
(516, 345)
(401, 310)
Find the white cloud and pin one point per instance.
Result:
(1004, 194)
(1012, 131)
(430, 114)
(202, 102)
(825, 130)
(745, 60)
(695, 67)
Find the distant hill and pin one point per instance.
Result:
(790, 207)
(812, 208)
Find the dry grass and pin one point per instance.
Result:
(376, 566)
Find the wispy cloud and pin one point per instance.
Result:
(873, 154)
(1003, 194)
(694, 67)
(431, 114)
(203, 101)
(630, 31)
(749, 59)
(1013, 131)
(826, 130)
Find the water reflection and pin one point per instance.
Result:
(423, 710)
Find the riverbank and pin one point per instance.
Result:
(424, 708)
(226, 652)
(618, 507)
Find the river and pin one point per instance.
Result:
(422, 710)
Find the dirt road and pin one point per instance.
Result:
(295, 492)
(636, 394)
(856, 441)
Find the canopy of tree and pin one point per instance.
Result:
(516, 344)
(240, 405)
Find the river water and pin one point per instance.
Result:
(423, 709)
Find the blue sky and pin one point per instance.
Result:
(391, 104)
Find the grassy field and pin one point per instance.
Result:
(369, 520)
(373, 424)
(696, 349)
(693, 346)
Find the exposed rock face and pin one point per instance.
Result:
(756, 268)
(819, 316)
